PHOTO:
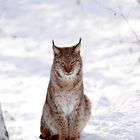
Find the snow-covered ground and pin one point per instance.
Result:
(110, 51)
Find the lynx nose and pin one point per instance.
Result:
(68, 69)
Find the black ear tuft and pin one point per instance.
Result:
(53, 42)
(80, 40)
(77, 46)
(56, 50)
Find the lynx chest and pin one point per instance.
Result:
(66, 101)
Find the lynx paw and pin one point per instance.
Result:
(74, 138)
(44, 138)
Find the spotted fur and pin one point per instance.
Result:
(66, 110)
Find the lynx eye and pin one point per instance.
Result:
(63, 63)
(72, 62)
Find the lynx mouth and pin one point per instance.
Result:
(68, 74)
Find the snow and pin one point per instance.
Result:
(110, 52)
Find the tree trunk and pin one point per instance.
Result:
(3, 132)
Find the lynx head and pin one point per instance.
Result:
(67, 61)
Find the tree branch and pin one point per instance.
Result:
(123, 17)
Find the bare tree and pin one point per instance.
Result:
(121, 14)
(3, 132)
(138, 1)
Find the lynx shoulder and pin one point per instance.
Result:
(67, 109)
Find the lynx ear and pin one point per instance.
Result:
(77, 46)
(56, 50)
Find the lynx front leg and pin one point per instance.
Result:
(62, 125)
(74, 125)
(79, 118)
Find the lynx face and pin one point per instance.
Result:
(67, 61)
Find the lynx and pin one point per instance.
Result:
(66, 110)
